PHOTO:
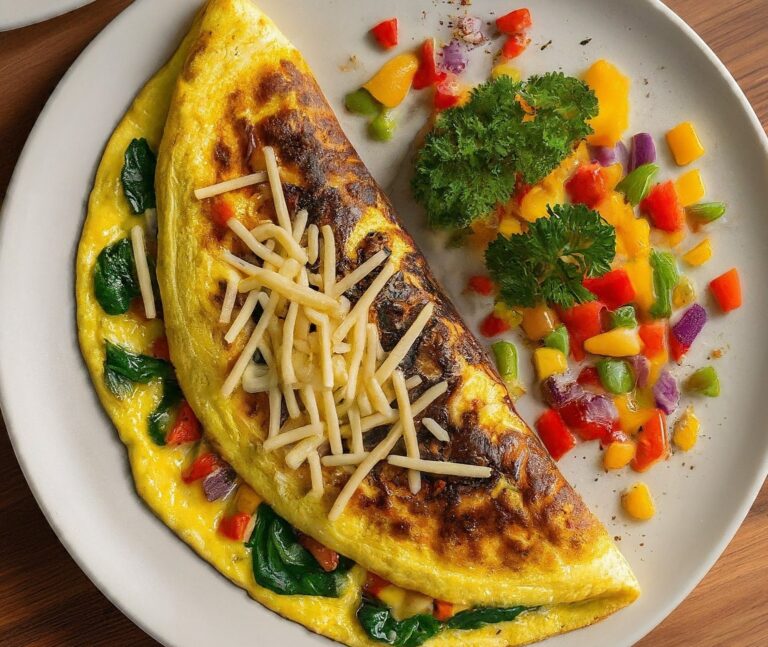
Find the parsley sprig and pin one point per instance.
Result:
(474, 155)
(549, 262)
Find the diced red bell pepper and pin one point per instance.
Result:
(221, 212)
(582, 321)
(515, 45)
(234, 527)
(652, 443)
(614, 289)
(588, 376)
(663, 207)
(653, 336)
(554, 434)
(726, 289)
(514, 22)
(327, 558)
(576, 415)
(677, 349)
(374, 584)
(385, 33)
(427, 74)
(442, 610)
(186, 427)
(587, 185)
(160, 348)
(201, 467)
(493, 325)
(443, 100)
(480, 284)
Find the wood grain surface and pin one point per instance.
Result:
(46, 600)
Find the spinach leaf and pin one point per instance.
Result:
(114, 277)
(138, 176)
(160, 418)
(284, 566)
(135, 367)
(378, 622)
(120, 386)
(481, 616)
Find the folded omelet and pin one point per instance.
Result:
(520, 539)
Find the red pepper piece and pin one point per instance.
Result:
(327, 558)
(652, 443)
(480, 284)
(427, 74)
(186, 427)
(588, 376)
(514, 22)
(663, 207)
(202, 466)
(443, 101)
(493, 325)
(587, 185)
(374, 584)
(554, 434)
(614, 289)
(677, 349)
(385, 33)
(726, 289)
(515, 45)
(160, 348)
(235, 526)
(442, 611)
(582, 321)
(577, 416)
(653, 336)
(221, 212)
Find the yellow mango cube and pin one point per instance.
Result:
(699, 254)
(549, 361)
(619, 342)
(684, 143)
(638, 503)
(505, 69)
(618, 455)
(611, 88)
(686, 431)
(391, 83)
(247, 500)
(538, 322)
(689, 187)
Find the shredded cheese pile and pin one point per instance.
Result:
(318, 354)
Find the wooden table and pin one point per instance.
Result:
(44, 597)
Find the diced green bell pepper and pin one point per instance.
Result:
(706, 211)
(361, 102)
(665, 277)
(624, 317)
(505, 354)
(704, 381)
(636, 184)
(615, 376)
(558, 339)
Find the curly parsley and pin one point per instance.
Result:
(549, 262)
(473, 156)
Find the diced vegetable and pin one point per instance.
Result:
(442, 610)
(470, 30)
(615, 376)
(558, 339)
(706, 211)
(234, 526)
(587, 185)
(427, 75)
(382, 127)
(588, 376)
(554, 434)
(362, 103)
(666, 392)
(186, 428)
(159, 420)
(511, 316)
(663, 207)
(559, 390)
(726, 289)
(636, 185)
(690, 187)
(246, 500)
(219, 483)
(201, 467)
(374, 584)
(385, 33)
(686, 430)
(631, 416)
(612, 90)
(538, 322)
(704, 381)
(684, 143)
(505, 354)
(454, 57)
(619, 342)
(665, 277)
(623, 317)
(514, 46)
(641, 367)
(481, 285)
(689, 326)
(506, 69)
(642, 151)
(652, 444)
(582, 321)
(447, 93)
(327, 558)
(492, 326)
(391, 83)
(549, 361)
(684, 293)
(593, 416)
(699, 254)
(614, 288)
(609, 155)
(638, 503)
(618, 454)
(653, 336)
(514, 22)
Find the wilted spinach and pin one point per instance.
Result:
(138, 176)
(114, 277)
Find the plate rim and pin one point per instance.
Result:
(36, 17)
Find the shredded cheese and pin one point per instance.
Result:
(290, 437)
(243, 317)
(329, 260)
(359, 273)
(286, 351)
(310, 404)
(230, 295)
(275, 402)
(285, 238)
(436, 430)
(299, 224)
(372, 385)
(445, 468)
(356, 430)
(297, 455)
(365, 301)
(290, 290)
(326, 361)
(291, 405)
(261, 250)
(315, 474)
(142, 271)
(332, 423)
(230, 185)
(409, 428)
(398, 353)
(239, 263)
(313, 243)
(275, 184)
(343, 459)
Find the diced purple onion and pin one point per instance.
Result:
(641, 367)
(560, 389)
(688, 328)
(470, 30)
(608, 155)
(666, 393)
(220, 483)
(454, 57)
(599, 408)
(642, 151)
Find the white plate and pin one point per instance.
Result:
(71, 455)
(20, 13)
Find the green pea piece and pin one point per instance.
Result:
(559, 340)
(615, 376)
(706, 211)
(361, 102)
(637, 184)
(382, 127)
(624, 317)
(505, 354)
(704, 381)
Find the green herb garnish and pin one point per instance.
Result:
(138, 176)
(549, 262)
(114, 277)
(475, 153)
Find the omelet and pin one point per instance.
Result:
(519, 540)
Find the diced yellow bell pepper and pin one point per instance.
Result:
(509, 226)
(391, 83)
(689, 187)
(612, 175)
(684, 293)
(638, 503)
(632, 234)
(641, 277)
(684, 143)
(631, 416)
(534, 203)
(612, 90)
(618, 455)
(511, 316)
(505, 69)
(699, 254)
(394, 597)
(686, 430)
(551, 190)
(658, 364)
(246, 500)
(619, 342)
(538, 322)
(549, 361)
